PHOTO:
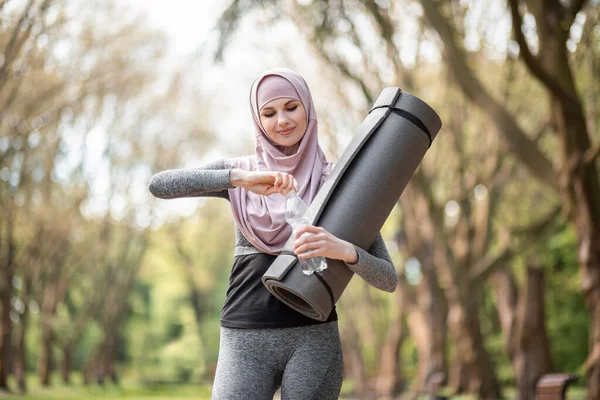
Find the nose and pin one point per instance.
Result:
(283, 120)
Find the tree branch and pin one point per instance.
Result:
(419, 183)
(518, 142)
(569, 99)
(10, 47)
(386, 28)
(489, 264)
(592, 154)
(346, 71)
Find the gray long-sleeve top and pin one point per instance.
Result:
(212, 180)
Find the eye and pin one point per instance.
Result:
(292, 108)
(269, 115)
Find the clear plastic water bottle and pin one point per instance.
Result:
(296, 214)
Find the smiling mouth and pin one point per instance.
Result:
(286, 131)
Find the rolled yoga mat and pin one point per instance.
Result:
(358, 196)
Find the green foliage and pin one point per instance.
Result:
(566, 314)
(166, 341)
(410, 359)
(494, 344)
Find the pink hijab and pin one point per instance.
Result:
(261, 218)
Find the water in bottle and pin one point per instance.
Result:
(296, 214)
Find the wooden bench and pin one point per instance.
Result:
(553, 386)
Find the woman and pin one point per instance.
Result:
(265, 344)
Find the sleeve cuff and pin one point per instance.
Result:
(227, 174)
(359, 257)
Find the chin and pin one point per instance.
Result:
(288, 142)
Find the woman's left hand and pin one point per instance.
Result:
(323, 243)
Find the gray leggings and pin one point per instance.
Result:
(306, 362)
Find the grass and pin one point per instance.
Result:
(177, 392)
(127, 390)
(131, 391)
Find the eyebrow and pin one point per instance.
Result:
(286, 103)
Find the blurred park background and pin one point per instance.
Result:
(106, 292)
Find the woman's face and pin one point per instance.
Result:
(284, 121)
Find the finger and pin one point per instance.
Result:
(270, 190)
(300, 231)
(305, 248)
(311, 253)
(288, 185)
(284, 183)
(291, 183)
(308, 247)
(305, 240)
(310, 229)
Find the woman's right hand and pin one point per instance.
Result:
(264, 183)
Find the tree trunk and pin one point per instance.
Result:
(89, 370)
(428, 325)
(506, 294)
(20, 363)
(54, 291)
(6, 329)
(101, 366)
(458, 375)
(426, 305)
(46, 361)
(473, 364)
(463, 322)
(589, 254)
(532, 351)
(354, 361)
(7, 272)
(522, 318)
(389, 380)
(66, 363)
(109, 359)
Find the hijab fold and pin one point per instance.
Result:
(261, 218)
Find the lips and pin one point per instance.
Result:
(287, 131)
